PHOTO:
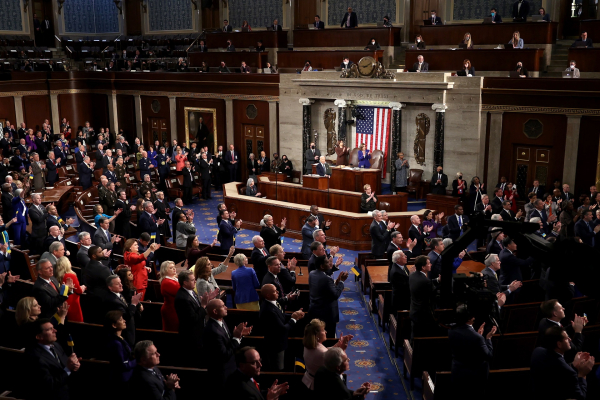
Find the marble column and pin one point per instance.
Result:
(438, 140)
(396, 139)
(273, 129)
(139, 128)
(571, 146)
(18, 111)
(306, 128)
(341, 135)
(229, 128)
(113, 115)
(173, 117)
(54, 112)
(494, 146)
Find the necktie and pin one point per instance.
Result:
(56, 356)
(495, 273)
(381, 225)
(278, 306)
(500, 244)
(279, 287)
(195, 296)
(107, 235)
(264, 253)
(256, 384)
(226, 330)
(54, 286)
(460, 221)
(419, 229)
(404, 270)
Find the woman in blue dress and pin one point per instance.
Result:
(364, 157)
(21, 213)
(152, 156)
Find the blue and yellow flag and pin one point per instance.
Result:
(354, 271)
(70, 342)
(64, 290)
(299, 362)
(153, 236)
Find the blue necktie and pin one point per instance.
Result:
(460, 221)
(108, 235)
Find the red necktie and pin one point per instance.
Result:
(256, 383)
(263, 251)
(54, 286)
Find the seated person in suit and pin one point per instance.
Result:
(373, 45)
(420, 42)
(364, 156)
(224, 68)
(244, 69)
(147, 381)
(573, 69)
(328, 379)
(523, 73)
(435, 20)
(546, 17)
(468, 69)
(323, 168)
(496, 18)
(202, 47)
(230, 46)
(420, 65)
(346, 63)
(386, 22)
(276, 26)
(242, 383)
(226, 26)
(516, 41)
(583, 41)
(467, 40)
(318, 24)
(260, 47)
(251, 189)
(492, 266)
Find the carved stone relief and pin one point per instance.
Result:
(422, 123)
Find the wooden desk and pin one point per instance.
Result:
(325, 59)
(273, 177)
(342, 37)
(315, 182)
(348, 230)
(353, 180)
(332, 198)
(588, 60)
(55, 195)
(276, 39)
(481, 59)
(232, 59)
(470, 266)
(531, 32)
(378, 274)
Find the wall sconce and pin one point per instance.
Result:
(195, 3)
(118, 5)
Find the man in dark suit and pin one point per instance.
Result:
(47, 362)
(242, 383)
(113, 300)
(554, 313)
(495, 245)
(586, 230)
(318, 24)
(147, 381)
(51, 173)
(85, 239)
(7, 196)
(59, 153)
(324, 294)
(435, 256)
(202, 48)
(540, 212)
(205, 170)
(145, 165)
(398, 277)
(276, 26)
(178, 210)
(439, 182)
(96, 271)
(350, 20)
(435, 19)
(38, 215)
(395, 245)
(312, 156)
(284, 284)
(80, 155)
(418, 233)
(587, 42)
(220, 344)
(346, 63)
(231, 159)
(272, 315)
(323, 168)
(492, 264)
(496, 18)
(321, 223)
(457, 222)
(421, 303)
(471, 354)
(149, 223)
(485, 207)
(226, 26)
(420, 65)
(102, 237)
(163, 161)
(380, 235)
(259, 257)
(497, 201)
(307, 235)
(512, 267)
(230, 47)
(328, 379)
(537, 189)
(507, 214)
(191, 314)
(551, 376)
(86, 171)
(47, 291)
(520, 10)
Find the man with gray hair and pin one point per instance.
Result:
(47, 290)
(38, 171)
(307, 236)
(149, 223)
(38, 215)
(418, 232)
(85, 170)
(490, 273)
(398, 277)
(328, 379)
(147, 381)
(380, 235)
(259, 257)
(550, 232)
(56, 251)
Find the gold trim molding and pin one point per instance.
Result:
(540, 110)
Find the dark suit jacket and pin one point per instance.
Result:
(553, 378)
(586, 235)
(228, 159)
(319, 25)
(52, 379)
(523, 13)
(413, 233)
(576, 338)
(259, 263)
(82, 257)
(324, 295)
(322, 170)
(279, 326)
(192, 318)
(146, 385)
(147, 224)
(438, 20)
(7, 209)
(110, 302)
(276, 27)
(51, 174)
(471, 353)
(227, 28)
(436, 264)
(480, 207)
(85, 175)
(508, 215)
(493, 247)
(588, 42)
(454, 227)
(329, 385)
(424, 66)
(496, 18)
(441, 188)
(38, 222)
(421, 293)
(307, 239)
(400, 288)
(496, 204)
(353, 20)
(227, 231)
(94, 276)
(188, 180)
(219, 348)
(511, 267)
(239, 386)
(492, 282)
(271, 237)
(380, 238)
(47, 297)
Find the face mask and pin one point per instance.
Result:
(493, 14)
(277, 157)
(312, 147)
(418, 40)
(572, 66)
(285, 159)
(460, 177)
(373, 43)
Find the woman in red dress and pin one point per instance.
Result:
(169, 286)
(137, 263)
(62, 273)
(512, 196)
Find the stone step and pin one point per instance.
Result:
(553, 75)
(552, 68)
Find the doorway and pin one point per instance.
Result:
(254, 142)
(157, 131)
(420, 10)
(304, 12)
(43, 23)
(210, 15)
(530, 163)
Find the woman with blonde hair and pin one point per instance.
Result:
(28, 310)
(468, 40)
(245, 283)
(516, 41)
(205, 274)
(314, 350)
(169, 286)
(368, 200)
(62, 273)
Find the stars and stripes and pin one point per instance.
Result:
(373, 129)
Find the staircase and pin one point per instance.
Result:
(398, 62)
(560, 57)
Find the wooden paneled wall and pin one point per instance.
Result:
(78, 108)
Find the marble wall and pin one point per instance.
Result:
(367, 11)
(90, 16)
(169, 15)
(11, 19)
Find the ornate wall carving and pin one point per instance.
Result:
(329, 121)
(423, 124)
(258, 13)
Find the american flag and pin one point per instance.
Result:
(373, 129)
